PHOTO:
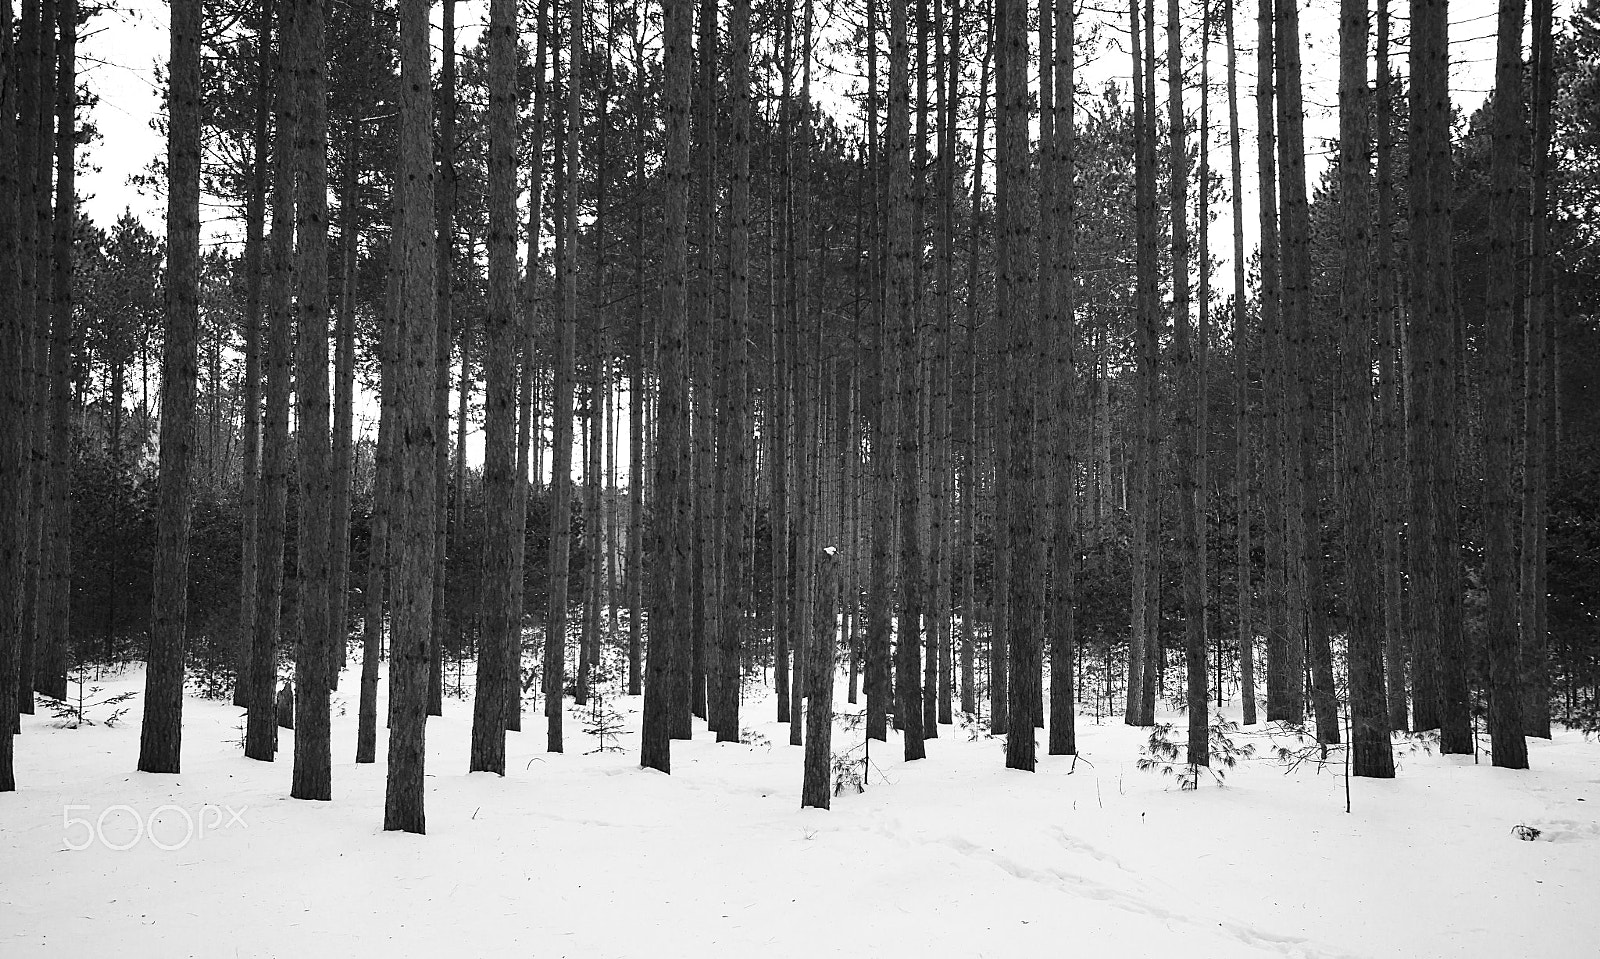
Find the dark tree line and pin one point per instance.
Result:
(908, 393)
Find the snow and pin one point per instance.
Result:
(585, 855)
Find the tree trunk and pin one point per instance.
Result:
(1018, 510)
(1308, 617)
(50, 673)
(670, 557)
(1439, 678)
(1063, 264)
(261, 737)
(1285, 693)
(13, 414)
(1371, 754)
(816, 788)
(160, 736)
(417, 425)
(1508, 130)
(312, 778)
(1241, 397)
(734, 438)
(561, 429)
(502, 622)
(444, 276)
(901, 326)
(1190, 449)
(1390, 428)
(250, 459)
(1538, 397)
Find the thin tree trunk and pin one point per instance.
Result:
(250, 460)
(734, 438)
(1189, 447)
(561, 431)
(969, 465)
(1284, 696)
(444, 277)
(50, 675)
(261, 736)
(1538, 397)
(1390, 428)
(1241, 397)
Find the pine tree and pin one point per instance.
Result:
(1538, 396)
(416, 426)
(313, 649)
(1371, 753)
(669, 555)
(733, 439)
(1241, 396)
(261, 735)
(899, 325)
(13, 474)
(160, 736)
(502, 622)
(1439, 675)
(1508, 130)
(1308, 621)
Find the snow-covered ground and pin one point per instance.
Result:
(585, 855)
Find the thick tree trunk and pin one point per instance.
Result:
(1508, 129)
(816, 789)
(312, 777)
(1018, 511)
(1062, 263)
(502, 623)
(13, 399)
(416, 466)
(161, 735)
(670, 536)
(1308, 616)
(900, 324)
(1439, 677)
(1371, 754)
